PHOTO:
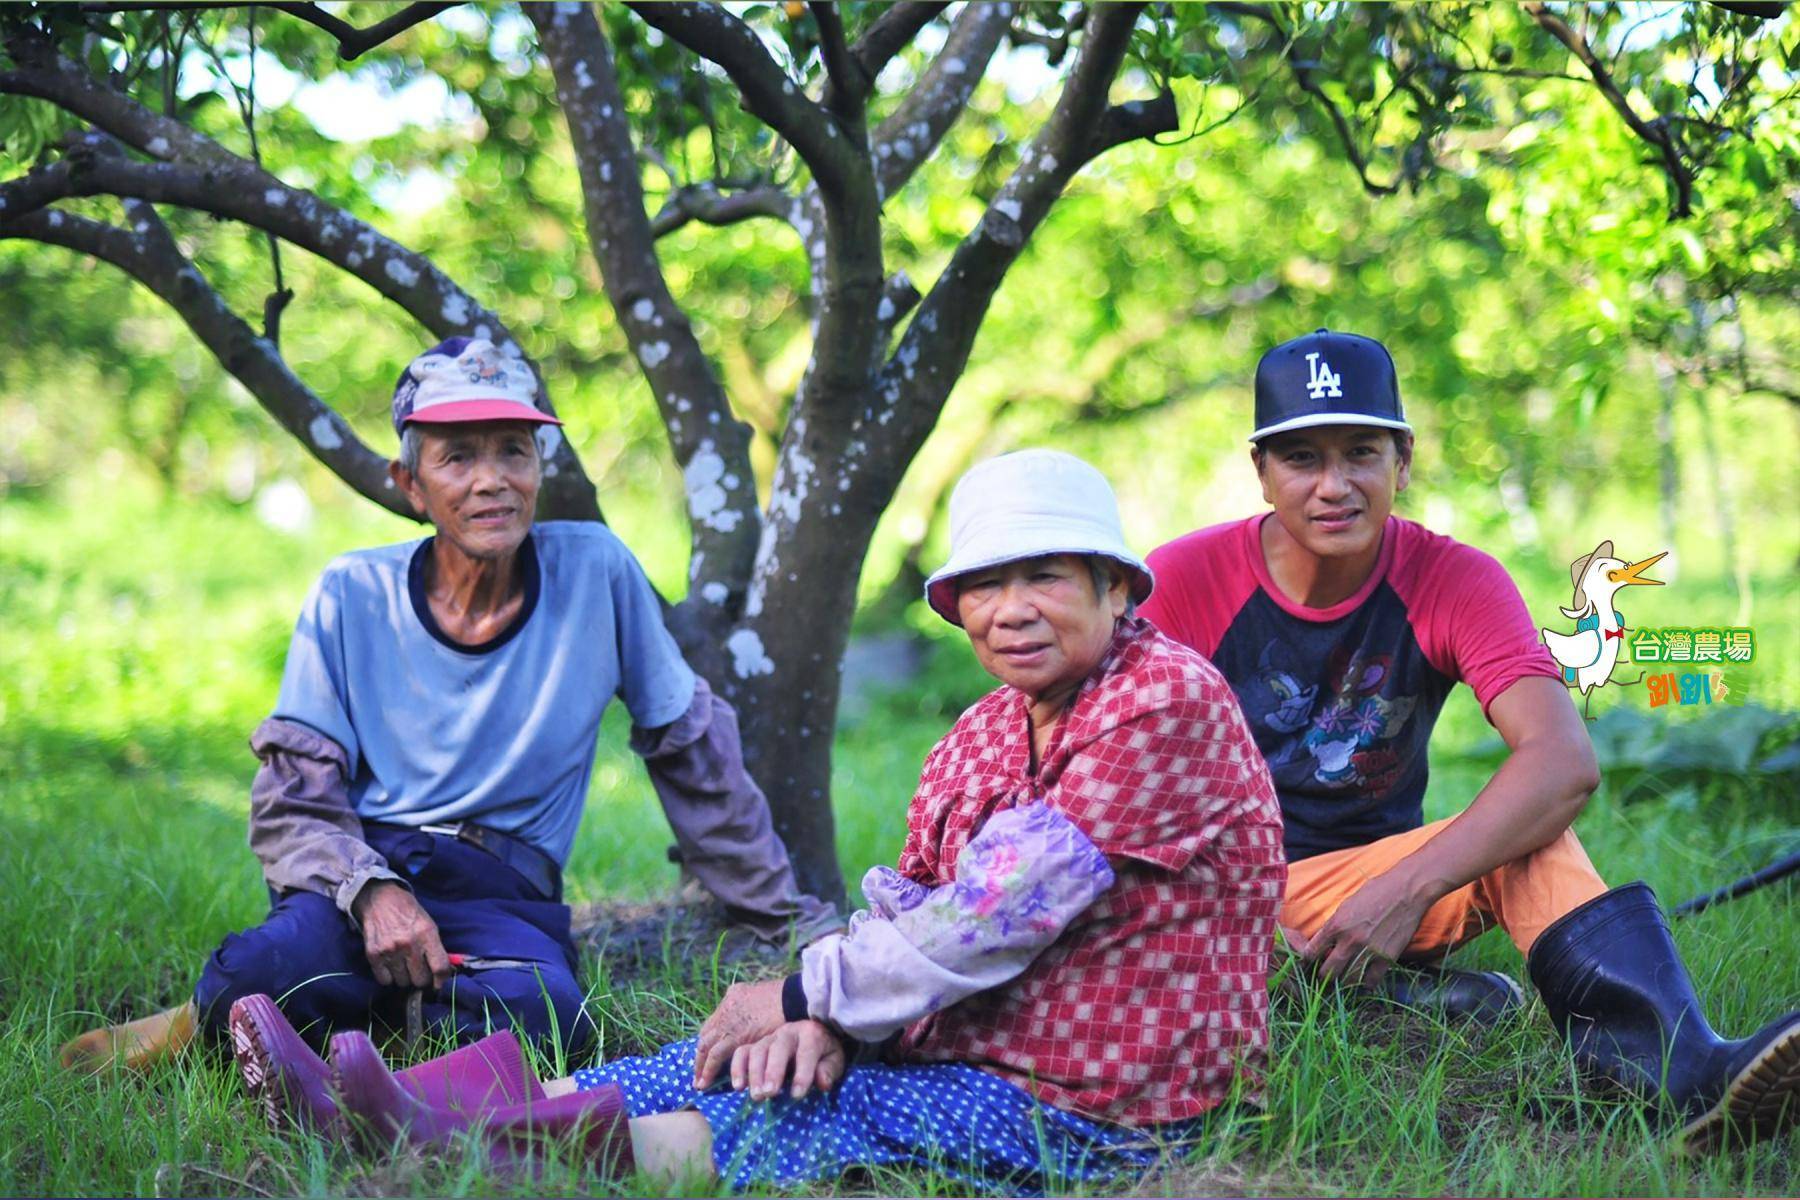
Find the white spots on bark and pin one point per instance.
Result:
(907, 356)
(275, 198)
(707, 502)
(1001, 227)
(583, 77)
(1047, 163)
(954, 66)
(549, 437)
(643, 310)
(748, 658)
(681, 404)
(712, 418)
(885, 310)
(1008, 208)
(652, 354)
(928, 320)
(159, 146)
(605, 172)
(323, 432)
(484, 333)
(714, 592)
(605, 111)
(455, 309)
(54, 218)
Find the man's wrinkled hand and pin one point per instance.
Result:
(1367, 933)
(806, 1050)
(748, 1013)
(400, 938)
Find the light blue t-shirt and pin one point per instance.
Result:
(502, 734)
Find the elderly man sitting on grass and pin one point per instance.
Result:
(1067, 970)
(427, 762)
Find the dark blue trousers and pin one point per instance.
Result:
(309, 957)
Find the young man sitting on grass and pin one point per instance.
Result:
(427, 762)
(1342, 628)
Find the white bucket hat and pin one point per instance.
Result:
(1024, 505)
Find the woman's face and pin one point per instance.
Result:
(1038, 624)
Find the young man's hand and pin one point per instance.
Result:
(814, 1053)
(1367, 932)
(400, 938)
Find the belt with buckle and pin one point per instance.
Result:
(538, 868)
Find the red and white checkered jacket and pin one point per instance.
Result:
(1155, 998)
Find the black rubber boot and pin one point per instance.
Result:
(1618, 992)
(1484, 996)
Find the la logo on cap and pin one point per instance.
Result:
(1324, 381)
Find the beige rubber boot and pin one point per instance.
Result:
(133, 1045)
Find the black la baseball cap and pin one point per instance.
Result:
(1326, 378)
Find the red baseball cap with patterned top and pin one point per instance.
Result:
(467, 379)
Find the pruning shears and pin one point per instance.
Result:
(476, 962)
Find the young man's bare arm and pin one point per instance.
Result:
(1534, 796)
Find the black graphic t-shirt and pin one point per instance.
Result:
(1342, 700)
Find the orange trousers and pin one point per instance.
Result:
(1522, 897)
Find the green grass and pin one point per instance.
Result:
(143, 643)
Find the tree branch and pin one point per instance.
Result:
(1303, 75)
(228, 186)
(846, 87)
(892, 32)
(908, 137)
(712, 446)
(351, 41)
(769, 95)
(148, 254)
(1653, 132)
(705, 203)
(935, 346)
(43, 73)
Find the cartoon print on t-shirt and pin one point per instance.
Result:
(1278, 699)
(1356, 718)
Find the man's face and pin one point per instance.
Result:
(1333, 486)
(477, 483)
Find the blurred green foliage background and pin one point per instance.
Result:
(1579, 364)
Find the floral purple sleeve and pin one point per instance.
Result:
(1019, 883)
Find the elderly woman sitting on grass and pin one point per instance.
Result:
(1067, 968)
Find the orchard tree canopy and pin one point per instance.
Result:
(897, 160)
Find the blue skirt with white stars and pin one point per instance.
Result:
(947, 1117)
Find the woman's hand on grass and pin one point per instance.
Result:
(400, 938)
(810, 1052)
(748, 1013)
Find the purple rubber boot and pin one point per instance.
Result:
(390, 1111)
(294, 1084)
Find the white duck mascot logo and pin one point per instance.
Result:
(1588, 655)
